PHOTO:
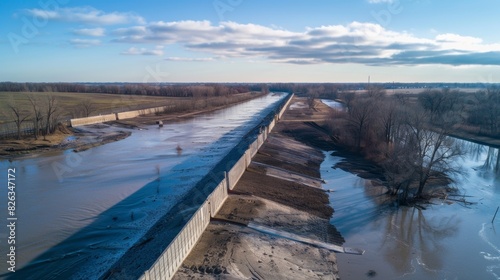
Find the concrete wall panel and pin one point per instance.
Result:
(92, 120)
(236, 172)
(117, 116)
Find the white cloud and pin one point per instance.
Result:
(189, 59)
(85, 43)
(94, 32)
(158, 51)
(362, 43)
(455, 38)
(86, 15)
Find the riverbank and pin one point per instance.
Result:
(65, 138)
(231, 248)
(80, 139)
(475, 138)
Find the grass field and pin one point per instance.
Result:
(69, 103)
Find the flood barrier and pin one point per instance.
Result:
(118, 116)
(172, 257)
(93, 120)
(136, 113)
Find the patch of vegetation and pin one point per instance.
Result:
(407, 138)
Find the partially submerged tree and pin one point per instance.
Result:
(420, 154)
(398, 136)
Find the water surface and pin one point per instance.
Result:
(445, 241)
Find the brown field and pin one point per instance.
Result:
(69, 102)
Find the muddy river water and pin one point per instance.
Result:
(445, 241)
(78, 212)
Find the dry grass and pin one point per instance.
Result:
(69, 102)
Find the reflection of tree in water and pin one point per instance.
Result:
(492, 161)
(377, 192)
(473, 150)
(477, 151)
(411, 239)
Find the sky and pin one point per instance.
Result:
(250, 41)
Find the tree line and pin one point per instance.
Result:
(172, 90)
(477, 113)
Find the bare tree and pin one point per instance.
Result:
(439, 104)
(485, 111)
(375, 91)
(399, 171)
(87, 107)
(51, 107)
(420, 154)
(388, 115)
(19, 115)
(37, 114)
(348, 98)
(311, 98)
(360, 116)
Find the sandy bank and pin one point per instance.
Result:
(232, 251)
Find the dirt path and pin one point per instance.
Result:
(230, 250)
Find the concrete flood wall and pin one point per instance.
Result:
(117, 116)
(93, 120)
(133, 114)
(172, 257)
(237, 171)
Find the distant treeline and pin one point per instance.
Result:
(321, 90)
(173, 90)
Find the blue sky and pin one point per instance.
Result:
(250, 41)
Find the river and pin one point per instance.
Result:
(446, 241)
(77, 211)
